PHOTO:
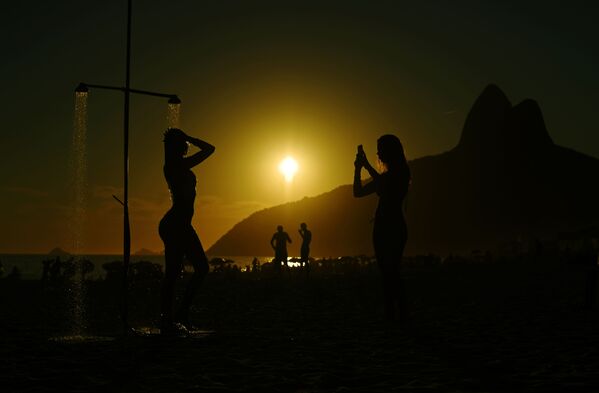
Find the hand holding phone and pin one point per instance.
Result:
(360, 157)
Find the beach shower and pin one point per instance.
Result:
(79, 176)
(172, 119)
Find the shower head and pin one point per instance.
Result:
(174, 100)
(82, 88)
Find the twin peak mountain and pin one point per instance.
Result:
(505, 180)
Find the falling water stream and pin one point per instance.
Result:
(173, 114)
(78, 189)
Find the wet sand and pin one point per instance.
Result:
(475, 328)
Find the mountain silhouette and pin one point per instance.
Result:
(338, 223)
(57, 251)
(505, 180)
(145, 251)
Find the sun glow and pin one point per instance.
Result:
(288, 168)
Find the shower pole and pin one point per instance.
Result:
(126, 226)
(127, 90)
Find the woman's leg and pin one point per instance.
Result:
(393, 285)
(389, 246)
(400, 292)
(400, 298)
(197, 257)
(173, 262)
(390, 281)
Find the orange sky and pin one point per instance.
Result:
(260, 81)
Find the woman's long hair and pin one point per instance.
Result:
(392, 155)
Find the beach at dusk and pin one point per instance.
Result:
(476, 327)
(299, 196)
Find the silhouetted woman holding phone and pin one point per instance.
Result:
(179, 237)
(390, 230)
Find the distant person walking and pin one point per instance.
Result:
(305, 250)
(175, 229)
(390, 230)
(279, 243)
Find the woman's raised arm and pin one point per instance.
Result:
(360, 189)
(206, 149)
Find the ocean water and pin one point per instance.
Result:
(30, 265)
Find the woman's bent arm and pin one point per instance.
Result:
(206, 149)
(360, 189)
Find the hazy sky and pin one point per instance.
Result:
(261, 80)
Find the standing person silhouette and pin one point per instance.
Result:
(175, 229)
(305, 250)
(279, 243)
(390, 230)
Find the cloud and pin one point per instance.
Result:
(102, 201)
(48, 221)
(28, 191)
(106, 191)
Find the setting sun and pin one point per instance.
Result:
(288, 168)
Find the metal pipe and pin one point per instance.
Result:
(127, 90)
(126, 225)
(84, 86)
(102, 86)
(151, 93)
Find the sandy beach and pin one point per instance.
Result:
(476, 328)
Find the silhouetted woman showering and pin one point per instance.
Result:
(390, 230)
(179, 237)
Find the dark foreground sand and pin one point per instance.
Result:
(488, 328)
